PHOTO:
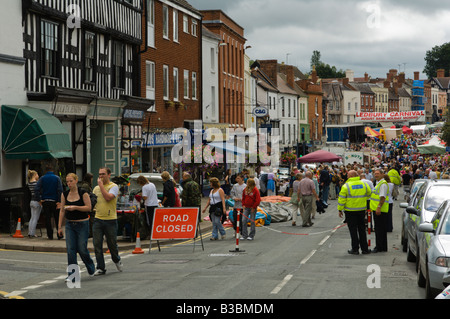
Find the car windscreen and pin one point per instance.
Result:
(135, 187)
(435, 196)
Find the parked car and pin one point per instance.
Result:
(405, 216)
(434, 257)
(133, 188)
(421, 210)
(445, 294)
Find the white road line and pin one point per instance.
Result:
(32, 287)
(282, 284)
(305, 260)
(286, 279)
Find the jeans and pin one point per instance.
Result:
(107, 228)
(249, 215)
(77, 234)
(325, 192)
(217, 226)
(36, 209)
(50, 211)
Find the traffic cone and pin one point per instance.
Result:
(138, 249)
(18, 233)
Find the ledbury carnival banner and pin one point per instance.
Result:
(412, 116)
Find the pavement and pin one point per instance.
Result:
(43, 244)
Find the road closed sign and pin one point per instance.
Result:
(174, 223)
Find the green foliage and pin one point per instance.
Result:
(437, 58)
(325, 71)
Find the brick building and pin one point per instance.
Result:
(171, 63)
(231, 66)
(313, 87)
(171, 75)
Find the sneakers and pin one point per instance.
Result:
(119, 266)
(250, 238)
(99, 272)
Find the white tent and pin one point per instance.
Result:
(419, 129)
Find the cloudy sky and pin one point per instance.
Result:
(364, 36)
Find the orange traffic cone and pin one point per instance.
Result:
(138, 249)
(18, 233)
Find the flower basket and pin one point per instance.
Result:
(169, 104)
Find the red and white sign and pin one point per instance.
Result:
(174, 223)
(411, 116)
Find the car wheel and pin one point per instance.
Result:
(417, 258)
(409, 255)
(430, 293)
(404, 241)
(421, 280)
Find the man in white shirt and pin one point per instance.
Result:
(150, 197)
(432, 174)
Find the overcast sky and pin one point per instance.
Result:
(365, 36)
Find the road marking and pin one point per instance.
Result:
(282, 284)
(305, 260)
(32, 287)
(286, 279)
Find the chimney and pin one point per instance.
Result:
(314, 76)
(396, 85)
(440, 73)
(345, 81)
(393, 72)
(416, 75)
(350, 74)
(270, 68)
(366, 77)
(389, 77)
(290, 75)
(401, 78)
(387, 84)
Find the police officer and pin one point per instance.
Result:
(353, 201)
(379, 203)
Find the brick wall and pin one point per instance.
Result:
(184, 55)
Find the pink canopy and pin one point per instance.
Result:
(319, 157)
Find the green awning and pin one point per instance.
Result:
(30, 133)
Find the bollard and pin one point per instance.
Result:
(238, 221)
(369, 228)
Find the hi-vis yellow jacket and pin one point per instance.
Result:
(395, 177)
(354, 195)
(375, 198)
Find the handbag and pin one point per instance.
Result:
(216, 210)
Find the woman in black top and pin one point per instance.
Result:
(168, 191)
(75, 206)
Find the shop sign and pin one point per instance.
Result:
(260, 111)
(161, 139)
(133, 114)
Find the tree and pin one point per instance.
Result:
(437, 58)
(315, 59)
(324, 71)
(446, 128)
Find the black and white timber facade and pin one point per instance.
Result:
(82, 64)
(97, 55)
